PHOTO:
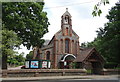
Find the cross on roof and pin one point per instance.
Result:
(66, 9)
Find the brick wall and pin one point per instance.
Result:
(111, 71)
(42, 72)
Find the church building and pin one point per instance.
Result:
(64, 49)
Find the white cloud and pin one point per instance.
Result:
(84, 24)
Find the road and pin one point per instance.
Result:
(91, 78)
(67, 80)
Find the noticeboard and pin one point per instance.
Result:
(26, 64)
(44, 64)
(34, 64)
(37, 64)
(49, 63)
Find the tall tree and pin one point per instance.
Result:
(27, 20)
(111, 36)
(9, 42)
(108, 38)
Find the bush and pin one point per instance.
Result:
(89, 71)
(110, 65)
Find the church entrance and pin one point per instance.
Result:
(66, 61)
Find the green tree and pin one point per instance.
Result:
(30, 55)
(20, 57)
(108, 38)
(111, 36)
(27, 20)
(9, 42)
(16, 60)
(97, 11)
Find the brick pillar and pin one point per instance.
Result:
(70, 30)
(55, 53)
(74, 47)
(59, 47)
(63, 45)
(4, 73)
(78, 49)
(71, 46)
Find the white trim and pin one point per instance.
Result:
(68, 55)
(65, 63)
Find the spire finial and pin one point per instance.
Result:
(66, 9)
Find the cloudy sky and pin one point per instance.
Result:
(83, 23)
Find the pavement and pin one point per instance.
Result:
(13, 68)
(95, 77)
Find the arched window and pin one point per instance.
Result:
(66, 19)
(67, 46)
(48, 55)
(67, 31)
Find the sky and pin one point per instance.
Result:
(83, 22)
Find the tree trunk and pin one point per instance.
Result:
(4, 61)
(36, 53)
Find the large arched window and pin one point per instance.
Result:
(48, 55)
(67, 46)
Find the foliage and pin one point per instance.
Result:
(16, 60)
(9, 42)
(30, 55)
(27, 20)
(110, 65)
(89, 71)
(108, 38)
(97, 11)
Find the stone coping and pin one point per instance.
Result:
(45, 70)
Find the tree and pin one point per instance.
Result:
(9, 42)
(97, 11)
(111, 36)
(16, 60)
(30, 55)
(20, 57)
(108, 38)
(27, 20)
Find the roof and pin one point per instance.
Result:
(46, 42)
(66, 13)
(85, 53)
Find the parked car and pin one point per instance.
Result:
(23, 67)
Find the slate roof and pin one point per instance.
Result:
(85, 53)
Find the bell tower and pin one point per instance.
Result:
(66, 24)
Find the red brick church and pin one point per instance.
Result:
(64, 49)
